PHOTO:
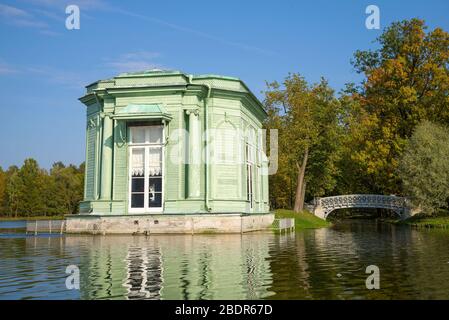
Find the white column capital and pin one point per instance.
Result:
(195, 112)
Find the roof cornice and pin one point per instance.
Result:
(187, 86)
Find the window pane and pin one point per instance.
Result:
(155, 134)
(250, 153)
(249, 183)
(138, 185)
(155, 185)
(155, 200)
(138, 134)
(155, 162)
(138, 162)
(137, 200)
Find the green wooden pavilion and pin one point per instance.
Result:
(173, 152)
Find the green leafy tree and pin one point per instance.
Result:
(31, 190)
(2, 191)
(407, 81)
(66, 187)
(424, 167)
(352, 177)
(307, 119)
(12, 190)
(31, 185)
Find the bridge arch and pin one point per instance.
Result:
(324, 206)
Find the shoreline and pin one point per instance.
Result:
(7, 218)
(440, 221)
(303, 220)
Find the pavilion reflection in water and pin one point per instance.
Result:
(144, 273)
(174, 267)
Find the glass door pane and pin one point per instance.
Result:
(138, 178)
(155, 177)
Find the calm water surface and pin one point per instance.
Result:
(312, 264)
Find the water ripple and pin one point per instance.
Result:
(311, 264)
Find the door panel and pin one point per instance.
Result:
(137, 178)
(146, 169)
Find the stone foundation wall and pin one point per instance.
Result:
(163, 224)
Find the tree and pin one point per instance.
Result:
(351, 177)
(407, 81)
(12, 190)
(306, 117)
(66, 187)
(29, 184)
(424, 167)
(2, 191)
(31, 190)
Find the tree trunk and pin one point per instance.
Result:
(300, 186)
(291, 191)
(303, 194)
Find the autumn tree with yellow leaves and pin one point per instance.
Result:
(407, 82)
(354, 143)
(306, 117)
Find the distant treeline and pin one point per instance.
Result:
(33, 191)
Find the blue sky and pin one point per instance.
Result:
(44, 67)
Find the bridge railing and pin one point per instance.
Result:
(401, 205)
(361, 200)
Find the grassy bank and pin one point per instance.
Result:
(440, 219)
(423, 221)
(303, 220)
(8, 218)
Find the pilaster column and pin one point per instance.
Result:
(106, 159)
(194, 176)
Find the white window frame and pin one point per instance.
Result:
(249, 154)
(146, 146)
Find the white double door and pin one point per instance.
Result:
(146, 169)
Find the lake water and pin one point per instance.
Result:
(312, 264)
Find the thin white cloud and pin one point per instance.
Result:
(18, 17)
(7, 69)
(134, 61)
(126, 62)
(62, 4)
(49, 32)
(193, 32)
(64, 78)
(101, 5)
(51, 15)
(57, 76)
(12, 12)
(41, 15)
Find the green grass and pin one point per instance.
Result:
(303, 220)
(423, 221)
(7, 218)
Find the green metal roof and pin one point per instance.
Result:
(142, 108)
(159, 72)
(136, 111)
(151, 72)
(155, 78)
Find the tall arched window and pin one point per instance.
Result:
(250, 153)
